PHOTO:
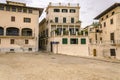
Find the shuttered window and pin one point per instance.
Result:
(83, 41)
(64, 41)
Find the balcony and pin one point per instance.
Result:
(105, 43)
(19, 37)
(67, 33)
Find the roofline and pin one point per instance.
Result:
(107, 10)
(21, 6)
(35, 8)
(42, 21)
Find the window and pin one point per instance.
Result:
(64, 10)
(19, 9)
(26, 42)
(30, 49)
(1, 31)
(83, 41)
(12, 31)
(77, 29)
(64, 41)
(56, 10)
(12, 41)
(59, 31)
(74, 41)
(13, 18)
(1, 7)
(102, 19)
(7, 8)
(104, 24)
(72, 31)
(27, 20)
(26, 32)
(90, 40)
(106, 16)
(112, 52)
(72, 10)
(30, 11)
(24, 10)
(0, 41)
(14, 9)
(72, 20)
(113, 13)
(100, 25)
(111, 21)
(56, 19)
(64, 20)
(12, 50)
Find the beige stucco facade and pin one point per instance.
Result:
(60, 30)
(108, 37)
(19, 28)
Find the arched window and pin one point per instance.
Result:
(12, 31)
(1, 31)
(26, 32)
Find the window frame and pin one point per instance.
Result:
(76, 42)
(26, 20)
(26, 41)
(12, 18)
(12, 41)
(71, 11)
(64, 19)
(83, 41)
(55, 10)
(64, 40)
(64, 10)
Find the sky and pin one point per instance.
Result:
(89, 9)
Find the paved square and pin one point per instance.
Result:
(29, 66)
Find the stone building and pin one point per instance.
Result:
(60, 32)
(19, 27)
(106, 41)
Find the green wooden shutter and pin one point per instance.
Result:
(64, 41)
(83, 41)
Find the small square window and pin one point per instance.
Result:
(12, 50)
(26, 41)
(24, 10)
(72, 10)
(74, 41)
(30, 49)
(106, 16)
(64, 10)
(13, 18)
(27, 20)
(56, 10)
(12, 41)
(83, 41)
(113, 13)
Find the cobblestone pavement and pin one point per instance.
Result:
(42, 66)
